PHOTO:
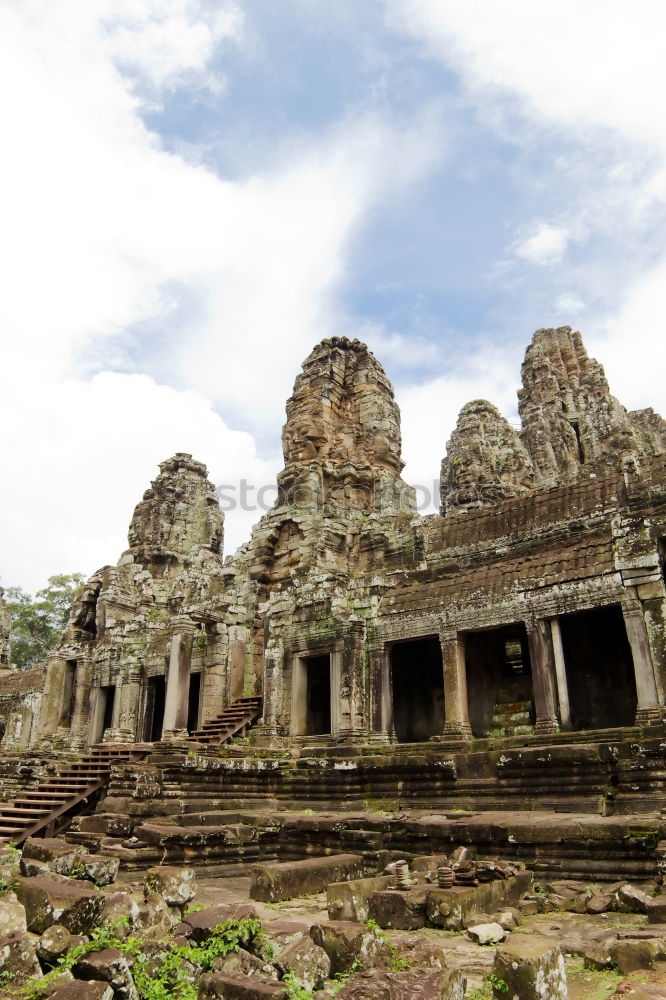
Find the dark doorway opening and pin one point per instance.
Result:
(193, 703)
(154, 718)
(109, 699)
(600, 669)
(499, 681)
(318, 695)
(417, 680)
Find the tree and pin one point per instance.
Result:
(38, 621)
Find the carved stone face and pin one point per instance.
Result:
(467, 470)
(303, 439)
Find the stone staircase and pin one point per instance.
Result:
(37, 811)
(511, 719)
(233, 721)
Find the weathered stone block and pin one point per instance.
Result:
(347, 943)
(632, 955)
(111, 966)
(487, 933)
(12, 915)
(631, 899)
(54, 942)
(101, 870)
(120, 908)
(307, 961)
(244, 963)
(225, 986)
(75, 904)
(656, 910)
(274, 882)
(412, 985)
(532, 966)
(199, 925)
(351, 900)
(401, 910)
(17, 955)
(78, 990)
(450, 908)
(176, 885)
(56, 854)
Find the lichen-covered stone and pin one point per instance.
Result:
(306, 961)
(75, 904)
(411, 985)
(530, 967)
(177, 886)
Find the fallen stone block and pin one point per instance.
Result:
(75, 904)
(18, 956)
(639, 991)
(56, 854)
(199, 925)
(487, 933)
(274, 882)
(656, 910)
(111, 966)
(110, 823)
(630, 899)
(532, 967)
(53, 943)
(451, 908)
(400, 910)
(224, 986)
(12, 915)
(351, 900)
(78, 990)
(601, 902)
(412, 985)
(307, 961)
(121, 910)
(155, 916)
(347, 943)
(101, 870)
(277, 935)
(631, 955)
(176, 885)
(244, 963)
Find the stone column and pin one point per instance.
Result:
(81, 711)
(543, 675)
(130, 700)
(647, 708)
(276, 717)
(178, 680)
(51, 703)
(560, 673)
(456, 710)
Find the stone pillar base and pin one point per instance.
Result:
(456, 731)
(175, 736)
(268, 736)
(649, 716)
(118, 736)
(546, 727)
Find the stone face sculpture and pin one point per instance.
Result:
(569, 417)
(485, 460)
(570, 422)
(178, 516)
(341, 441)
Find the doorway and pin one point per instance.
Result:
(417, 683)
(193, 701)
(499, 681)
(599, 668)
(154, 717)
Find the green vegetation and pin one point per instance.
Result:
(38, 621)
(490, 983)
(399, 963)
(173, 979)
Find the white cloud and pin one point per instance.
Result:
(585, 78)
(599, 62)
(105, 234)
(93, 447)
(545, 247)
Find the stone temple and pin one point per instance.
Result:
(505, 655)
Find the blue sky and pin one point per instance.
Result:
(196, 192)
